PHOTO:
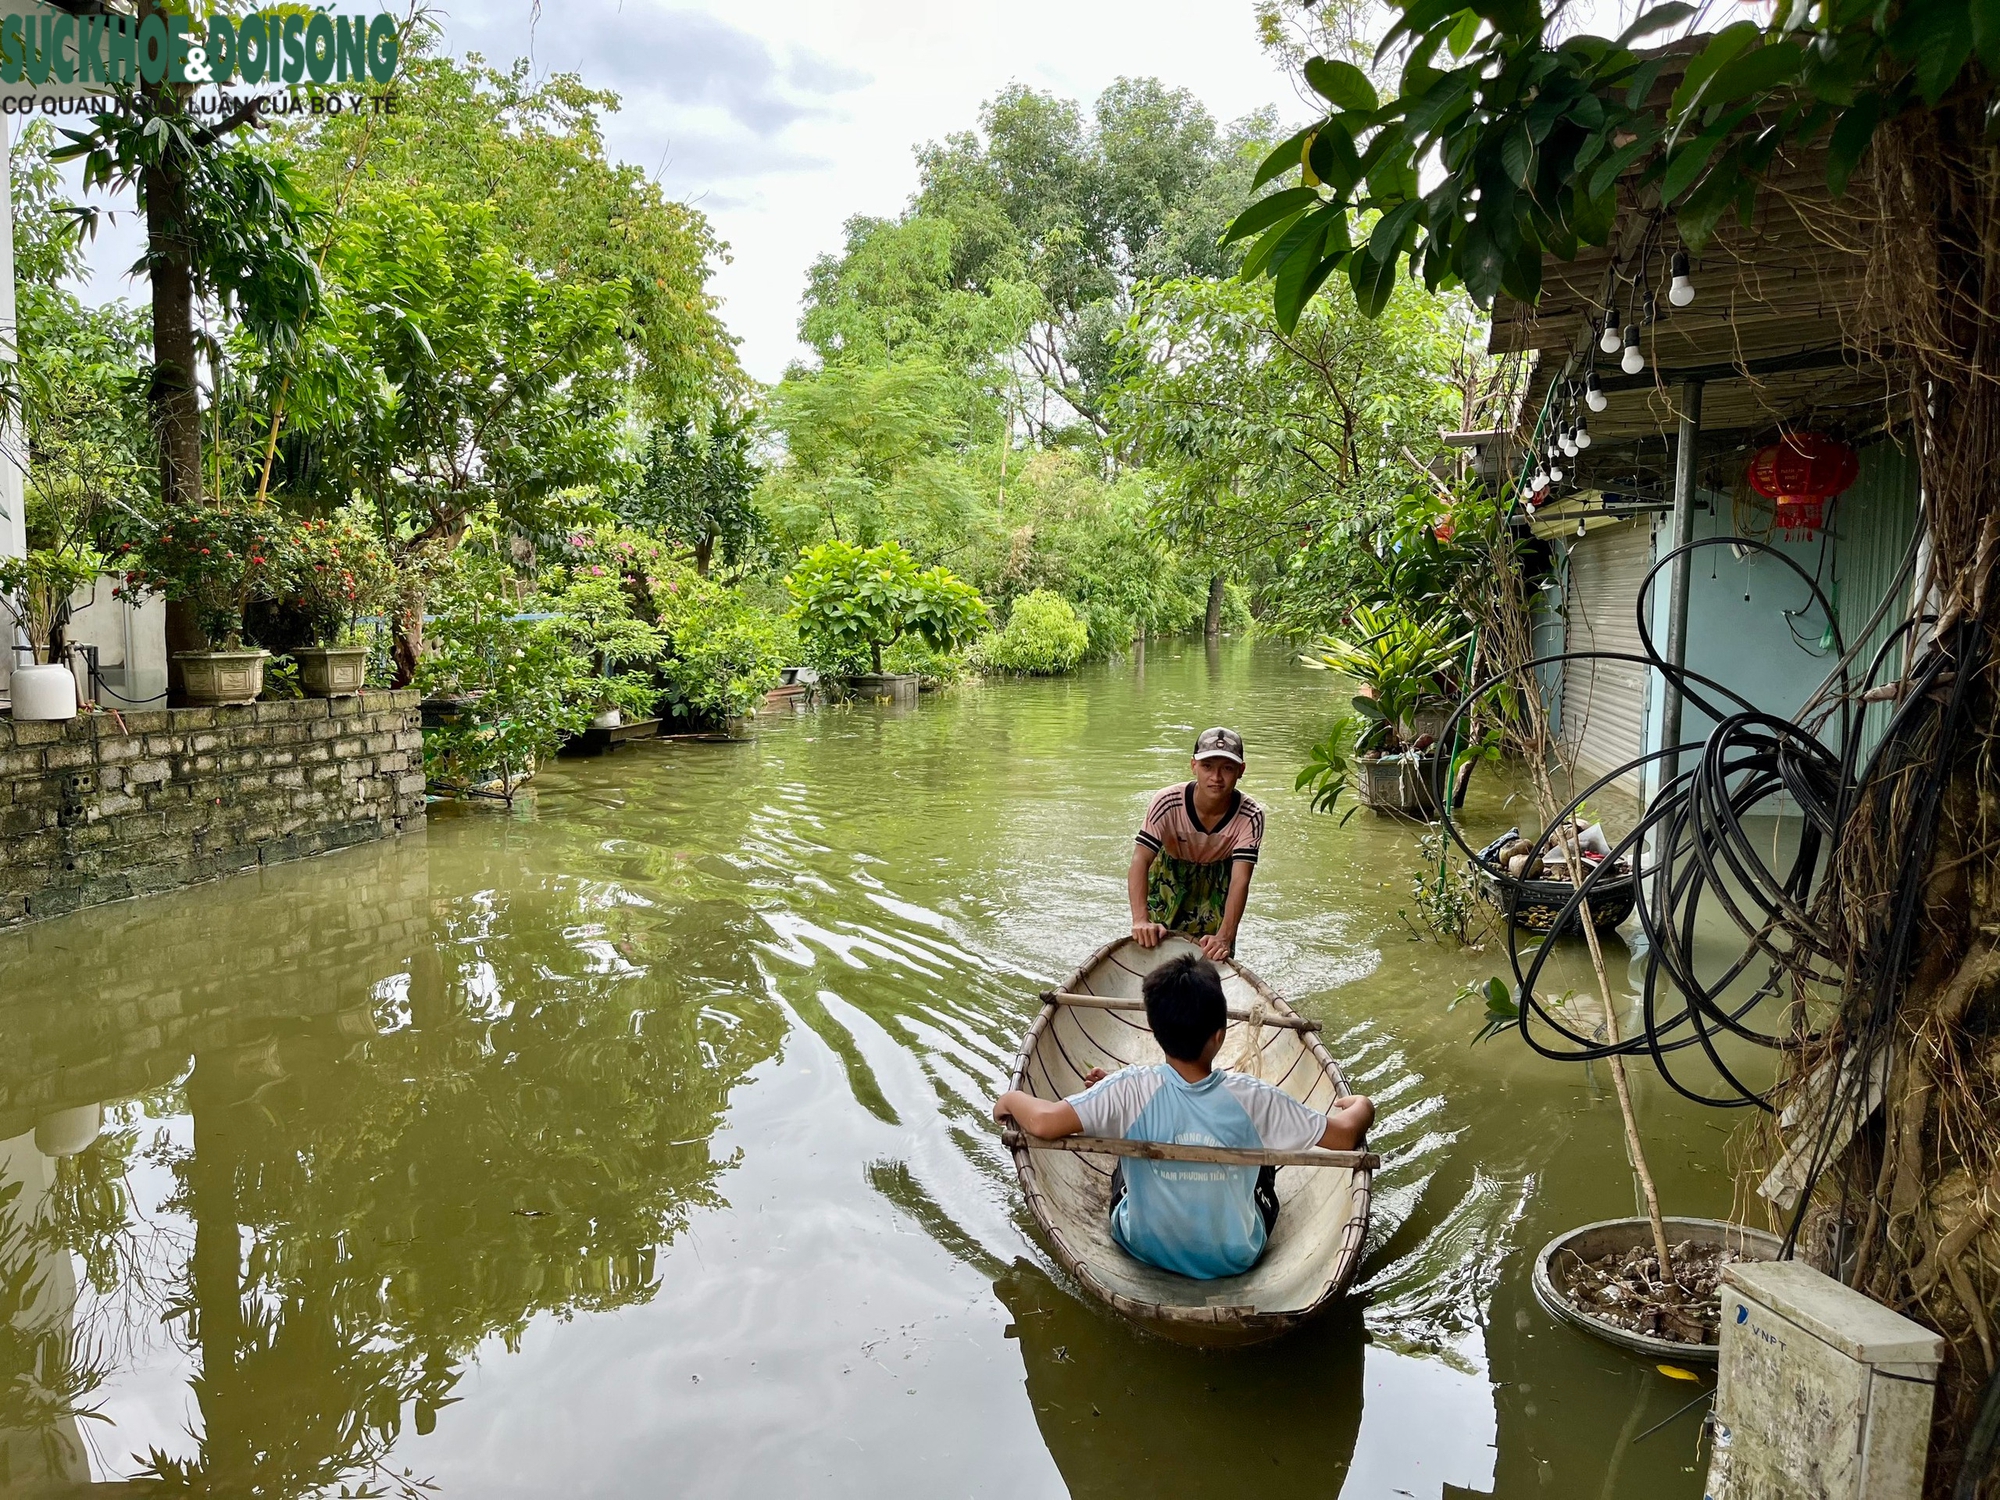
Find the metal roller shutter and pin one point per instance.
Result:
(1604, 702)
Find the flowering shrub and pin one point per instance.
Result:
(213, 558)
(338, 572)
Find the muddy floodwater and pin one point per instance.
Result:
(634, 1142)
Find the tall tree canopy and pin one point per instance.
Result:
(530, 153)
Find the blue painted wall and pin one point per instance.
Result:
(1752, 621)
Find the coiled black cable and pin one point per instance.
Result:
(1691, 853)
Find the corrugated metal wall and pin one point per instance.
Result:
(1872, 525)
(1604, 702)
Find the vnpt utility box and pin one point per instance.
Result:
(1823, 1394)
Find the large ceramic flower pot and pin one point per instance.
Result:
(46, 691)
(1614, 1237)
(331, 671)
(884, 687)
(214, 678)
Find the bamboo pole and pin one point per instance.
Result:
(1232, 1156)
(1110, 1002)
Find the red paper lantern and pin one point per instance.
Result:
(1800, 473)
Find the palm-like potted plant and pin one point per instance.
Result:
(338, 573)
(37, 588)
(1400, 663)
(215, 559)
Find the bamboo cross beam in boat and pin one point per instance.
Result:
(1231, 1156)
(1110, 1002)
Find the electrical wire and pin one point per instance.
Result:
(1692, 857)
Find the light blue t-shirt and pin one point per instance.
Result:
(1194, 1217)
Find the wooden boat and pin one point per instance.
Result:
(1534, 905)
(1098, 1020)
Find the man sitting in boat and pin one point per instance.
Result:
(1196, 851)
(1192, 1218)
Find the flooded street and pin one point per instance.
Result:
(635, 1142)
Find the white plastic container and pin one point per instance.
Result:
(43, 692)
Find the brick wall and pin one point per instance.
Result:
(102, 808)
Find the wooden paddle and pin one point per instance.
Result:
(1232, 1156)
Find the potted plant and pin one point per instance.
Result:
(38, 589)
(1399, 664)
(591, 612)
(338, 573)
(215, 559)
(857, 602)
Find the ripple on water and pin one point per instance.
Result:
(650, 1123)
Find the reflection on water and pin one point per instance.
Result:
(636, 1141)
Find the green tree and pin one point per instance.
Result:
(860, 601)
(226, 228)
(1079, 208)
(875, 451)
(528, 155)
(696, 489)
(1281, 454)
(898, 289)
(89, 455)
(449, 380)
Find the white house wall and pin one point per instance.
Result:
(131, 642)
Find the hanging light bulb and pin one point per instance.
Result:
(1634, 361)
(1540, 480)
(1593, 394)
(1608, 339)
(1681, 292)
(1568, 444)
(1581, 529)
(1555, 473)
(1582, 434)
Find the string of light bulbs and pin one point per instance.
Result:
(1555, 453)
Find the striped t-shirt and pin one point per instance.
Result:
(1171, 827)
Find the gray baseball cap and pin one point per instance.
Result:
(1219, 744)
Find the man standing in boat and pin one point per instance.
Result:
(1196, 852)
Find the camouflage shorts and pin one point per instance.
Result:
(1187, 897)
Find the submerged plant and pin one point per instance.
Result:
(857, 600)
(1329, 767)
(1446, 893)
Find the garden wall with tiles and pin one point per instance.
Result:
(106, 806)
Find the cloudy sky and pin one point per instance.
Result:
(781, 119)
